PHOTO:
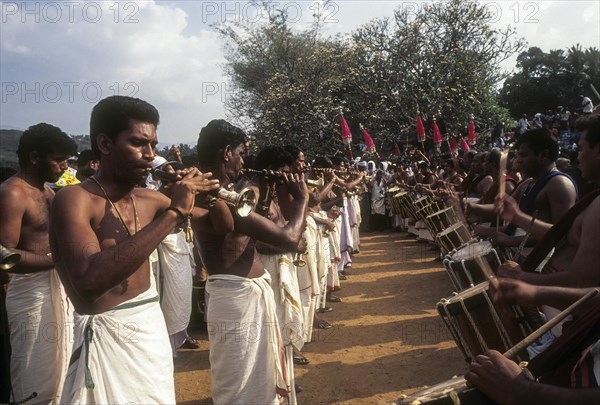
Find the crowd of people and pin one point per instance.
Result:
(101, 296)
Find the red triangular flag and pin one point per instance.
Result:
(464, 145)
(368, 141)
(346, 134)
(437, 135)
(453, 146)
(472, 135)
(420, 129)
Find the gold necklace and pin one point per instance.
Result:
(135, 212)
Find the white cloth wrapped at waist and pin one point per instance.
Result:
(40, 319)
(122, 356)
(245, 345)
(284, 284)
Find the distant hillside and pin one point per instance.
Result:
(9, 143)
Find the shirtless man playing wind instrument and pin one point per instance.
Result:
(102, 232)
(245, 345)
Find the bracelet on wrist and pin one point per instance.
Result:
(181, 217)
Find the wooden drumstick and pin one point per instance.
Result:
(525, 238)
(501, 182)
(535, 335)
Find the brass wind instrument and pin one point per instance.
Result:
(243, 202)
(8, 258)
(299, 259)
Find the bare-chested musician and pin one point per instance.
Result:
(576, 260)
(548, 192)
(102, 233)
(245, 349)
(36, 302)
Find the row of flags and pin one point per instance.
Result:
(421, 136)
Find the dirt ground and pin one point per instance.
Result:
(387, 339)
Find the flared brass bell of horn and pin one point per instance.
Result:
(316, 183)
(8, 258)
(299, 260)
(243, 202)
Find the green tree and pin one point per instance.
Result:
(546, 80)
(289, 86)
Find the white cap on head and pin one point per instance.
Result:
(158, 160)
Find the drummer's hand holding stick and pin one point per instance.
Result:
(508, 209)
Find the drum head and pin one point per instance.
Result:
(476, 249)
(449, 392)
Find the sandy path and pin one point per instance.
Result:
(387, 338)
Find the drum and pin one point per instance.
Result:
(451, 392)
(454, 237)
(398, 203)
(471, 264)
(395, 207)
(442, 219)
(407, 204)
(421, 203)
(423, 213)
(476, 326)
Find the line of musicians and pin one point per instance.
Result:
(539, 239)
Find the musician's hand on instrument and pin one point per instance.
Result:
(510, 269)
(296, 186)
(492, 373)
(509, 291)
(502, 239)
(483, 231)
(329, 175)
(507, 207)
(184, 191)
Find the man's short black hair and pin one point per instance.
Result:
(539, 140)
(273, 158)
(112, 114)
(323, 162)
(591, 124)
(44, 139)
(293, 150)
(215, 137)
(85, 156)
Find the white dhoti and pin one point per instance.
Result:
(284, 283)
(122, 356)
(245, 345)
(308, 278)
(355, 220)
(40, 319)
(346, 240)
(177, 266)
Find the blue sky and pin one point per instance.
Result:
(58, 58)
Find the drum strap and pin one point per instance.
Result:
(557, 232)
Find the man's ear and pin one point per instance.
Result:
(34, 158)
(104, 143)
(227, 153)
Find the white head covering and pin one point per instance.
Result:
(158, 160)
